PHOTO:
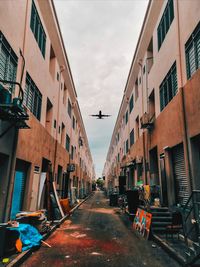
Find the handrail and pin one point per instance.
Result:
(188, 201)
(192, 205)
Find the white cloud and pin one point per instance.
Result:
(100, 37)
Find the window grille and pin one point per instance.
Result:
(165, 22)
(192, 52)
(32, 97)
(37, 29)
(8, 62)
(168, 87)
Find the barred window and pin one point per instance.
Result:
(8, 62)
(37, 29)
(192, 52)
(32, 97)
(168, 87)
(165, 22)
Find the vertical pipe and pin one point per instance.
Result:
(186, 140)
(143, 133)
(7, 206)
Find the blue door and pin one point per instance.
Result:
(18, 192)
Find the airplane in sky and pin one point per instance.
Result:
(100, 115)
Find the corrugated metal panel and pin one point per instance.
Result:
(182, 188)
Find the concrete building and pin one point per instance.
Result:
(156, 138)
(57, 134)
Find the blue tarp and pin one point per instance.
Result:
(29, 236)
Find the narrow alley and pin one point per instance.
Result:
(99, 133)
(98, 235)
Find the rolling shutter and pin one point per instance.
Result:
(181, 181)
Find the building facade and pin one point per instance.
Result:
(57, 134)
(156, 138)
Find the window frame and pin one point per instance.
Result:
(131, 104)
(193, 44)
(32, 97)
(163, 28)
(67, 143)
(8, 71)
(38, 29)
(164, 88)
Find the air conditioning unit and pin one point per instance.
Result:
(145, 121)
(138, 159)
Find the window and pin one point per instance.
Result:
(118, 157)
(192, 52)
(8, 61)
(136, 90)
(69, 108)
(72, 152)
(67, 145)
(32, 97)
(126, 116)
(58, 76)
(55, 124)
(131, 137)
(131, 104)
(73, 123)
(126, 146)
(137, 127)
(144, 70)
(37, 29)
(165, 22)
(168, 87)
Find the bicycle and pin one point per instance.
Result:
(122, 203)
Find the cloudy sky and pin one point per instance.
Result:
(100, 38)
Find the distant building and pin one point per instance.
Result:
(57, 132)
(156, 139)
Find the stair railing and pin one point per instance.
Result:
(191, 215)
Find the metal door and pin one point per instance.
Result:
(18, 193)
(181, 181)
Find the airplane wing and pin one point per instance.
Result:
(105, 115)
(95, 115)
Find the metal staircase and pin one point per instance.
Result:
(191, 224)
(161, 217)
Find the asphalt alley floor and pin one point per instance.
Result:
(98, 235)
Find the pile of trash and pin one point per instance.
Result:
(38, 219)
(23, 233)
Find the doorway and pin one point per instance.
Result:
(19, 187)
(164, 197)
